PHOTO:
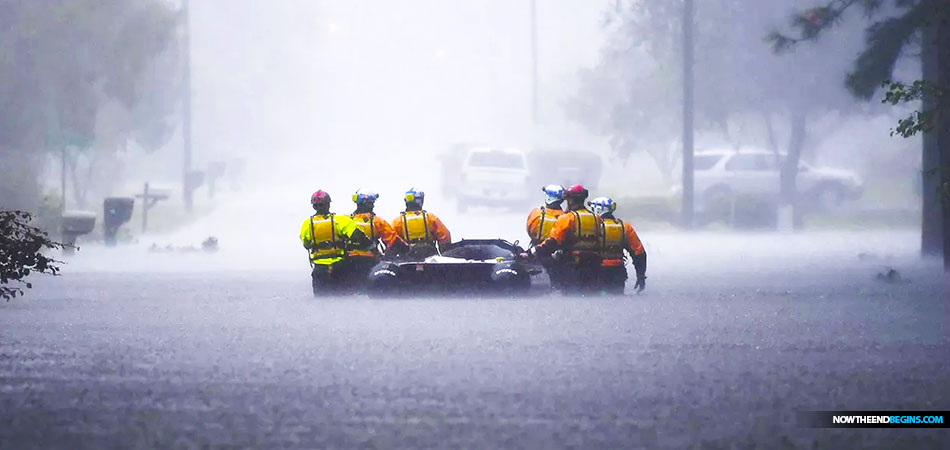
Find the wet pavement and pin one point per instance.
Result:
(711, 358)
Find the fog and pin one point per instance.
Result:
(346, 95)
(340, 96)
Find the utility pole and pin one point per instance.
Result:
(149, 199)
(186, 113)
(62, 182)
(688, 114)
(534, 64)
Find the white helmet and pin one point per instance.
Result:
(602, 206)
(553, 193)
(365, 196)
(415, 196)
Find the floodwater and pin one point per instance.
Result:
(734, 334)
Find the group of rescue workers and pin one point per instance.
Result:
(582, 248)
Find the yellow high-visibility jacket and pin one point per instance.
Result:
(376, 229)
(326, 237)
(421, 227)
(617, 236)
(540, 222)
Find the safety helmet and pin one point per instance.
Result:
(416, 196)
(576, 192)
(363, 196)
(553, 193)
(320, 198)
(602, 206)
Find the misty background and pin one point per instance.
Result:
(293, 96)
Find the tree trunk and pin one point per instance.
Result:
(942, 126)
(788, 195)
(931, 235)
(773, 141)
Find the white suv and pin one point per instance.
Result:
(493, 177)
(722, 174)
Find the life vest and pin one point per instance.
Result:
(613, 238)
(585, 230)
(324, 241)
(366, 224)
(545, 224)
(415, 227)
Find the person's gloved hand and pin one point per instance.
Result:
(530, 254)
(641, 284)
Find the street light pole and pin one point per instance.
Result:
(688, 203)
(186, 113)
(534, 63)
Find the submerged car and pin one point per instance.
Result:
(469, 265)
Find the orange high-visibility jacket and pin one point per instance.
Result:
(417, 227)
(376, 229)
(540, 222)
(617, 236)
(577, 230)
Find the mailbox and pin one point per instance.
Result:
(75, 224)
(115, 212)
(79, 222)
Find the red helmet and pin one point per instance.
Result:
(320, 198)
(576, 191)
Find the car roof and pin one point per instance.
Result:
(731, 151)
(514, 151)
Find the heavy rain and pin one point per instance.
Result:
(676, 224)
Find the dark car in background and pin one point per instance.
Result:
(565, 167)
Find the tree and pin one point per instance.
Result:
(634, 94)
(62, 61)
(898, 28)
(21, 253)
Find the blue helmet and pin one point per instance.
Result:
(553, 193)
(364, 196)
(602, 206)
(415, 196)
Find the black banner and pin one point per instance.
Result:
(873, 419)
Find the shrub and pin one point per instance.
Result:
(21, 252)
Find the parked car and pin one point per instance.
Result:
(451, 161)
(727, 174)
(493, 177)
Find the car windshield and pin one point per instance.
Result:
(503, 160)
(478, 252)
(705, 162)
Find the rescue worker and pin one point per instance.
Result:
(421, 229)
(542, 218)
(616, 237)
(575, 234)
(540, 222)
(326, 236)
(362, 258)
